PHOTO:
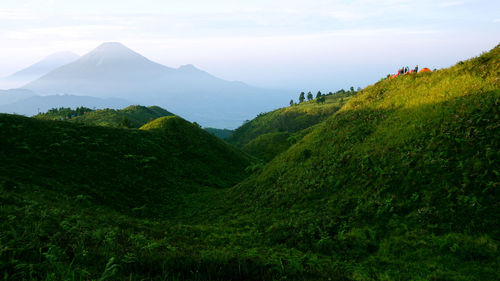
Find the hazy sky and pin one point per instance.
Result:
(294, 44)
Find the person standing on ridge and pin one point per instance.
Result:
(416, 68)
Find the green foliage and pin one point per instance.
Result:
(302, 97)
(134, 116)
(63, 113)
(125, 123)
(267, 146)
(220, 133)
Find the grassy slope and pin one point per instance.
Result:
(137, 116)
(73, 196)
(401, 183)
(272, 133)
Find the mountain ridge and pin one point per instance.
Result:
(38, 69)
(113, 70)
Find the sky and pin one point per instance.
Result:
(298, 45)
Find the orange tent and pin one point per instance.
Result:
(424, 70)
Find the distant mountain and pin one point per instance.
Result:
(113, 70)
(35, 104)
(38, 69)
(14, 95)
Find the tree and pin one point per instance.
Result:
(301, 97)
(291, 102)
(318, 95)
(352, 89)
(309, 96)
(125, 123)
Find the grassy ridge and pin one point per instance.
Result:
(401, 183)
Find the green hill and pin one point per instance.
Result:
(133, 116)
(221, 133)
(400, 184)
(73, 196)
(272, 133)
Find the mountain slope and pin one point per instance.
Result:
(38, 69)
(134, 116)
(147, 165)
(14, 95)
(271, 133)
(86, 196)
(401, 183)
(113, 70)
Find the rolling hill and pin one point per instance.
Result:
(61, 156)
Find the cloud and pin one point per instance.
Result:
(17, 15)
(451, 4)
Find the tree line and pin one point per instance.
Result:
(320, 97)
(66, 112)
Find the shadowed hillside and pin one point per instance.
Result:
(221, 133)
(116, 167)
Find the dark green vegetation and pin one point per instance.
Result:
(133, 116)
(401, 183)
(271, 133)
(74, 196)
(221, 133)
